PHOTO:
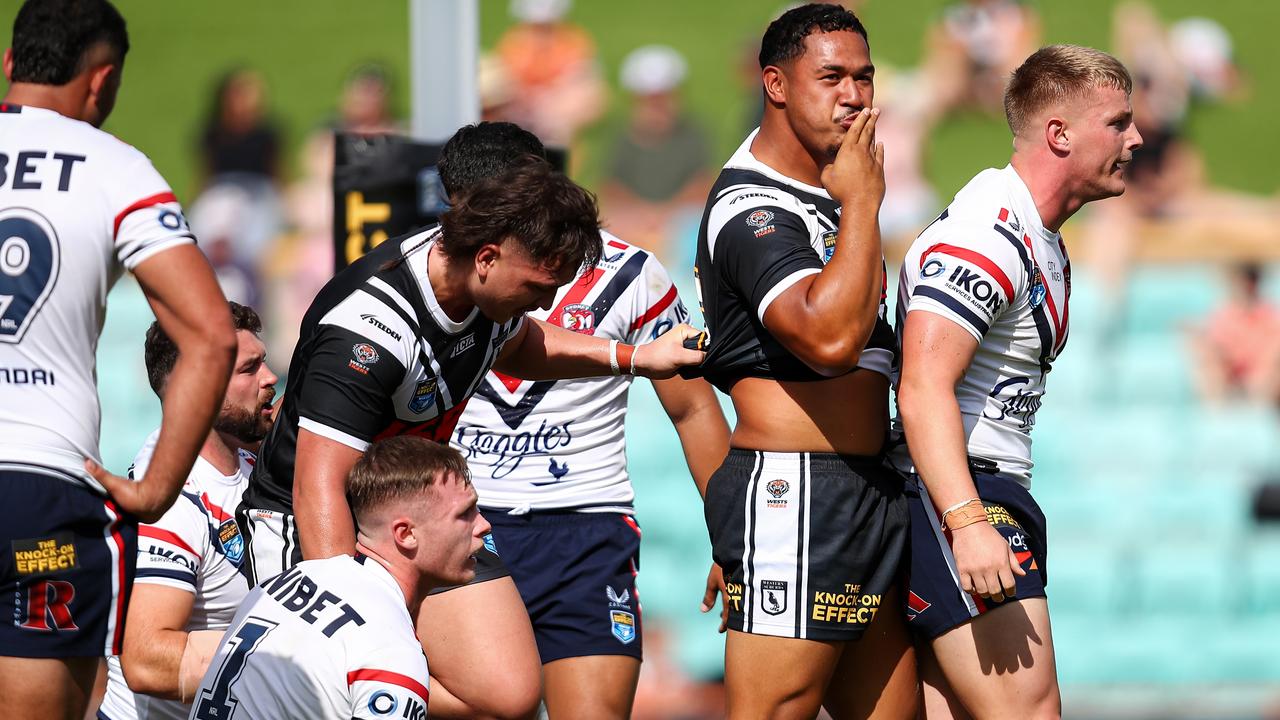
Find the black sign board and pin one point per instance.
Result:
(385, 186)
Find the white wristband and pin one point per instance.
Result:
(613, 358)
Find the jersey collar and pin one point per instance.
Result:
(742, 159)
(418, 263)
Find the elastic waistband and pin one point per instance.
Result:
(538, 518)
(819, 461)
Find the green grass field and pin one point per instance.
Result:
(305, 47)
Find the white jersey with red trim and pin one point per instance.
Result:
(77, 208)
(196, 547)
(541, 445)
(989, 265)
(327, 639)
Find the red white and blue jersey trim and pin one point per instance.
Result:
(989, 265)
(561, 444)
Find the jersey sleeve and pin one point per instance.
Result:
(348, 385)
(147, 218)
(968, 279)
(171, 550)
(656, 306)
(760, 248)
(395, 684)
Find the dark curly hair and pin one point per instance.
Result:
(160, 353)
(483, 150)
(784, 40)
(51, 38)
(554, 220)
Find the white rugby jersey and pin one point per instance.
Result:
(556, 444)
(325, 640)
(195, 547)
(989, 265)
(77, 207)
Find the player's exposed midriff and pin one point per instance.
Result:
(848, 414)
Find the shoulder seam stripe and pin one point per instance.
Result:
(162, 535)
(157, 199)
(953, 305)
(386, 676)
(982, 261)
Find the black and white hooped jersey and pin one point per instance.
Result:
(989, 265)
(77, 208)
(555, 444)
(197, 548)
(763, 232)
(327, 639)
(377, 357)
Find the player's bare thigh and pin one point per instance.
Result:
(591, 687)
(776, 678)
(876, 676)
(46, 688)
(479, 644)
(1001, 665)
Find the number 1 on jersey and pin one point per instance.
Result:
(216, 702)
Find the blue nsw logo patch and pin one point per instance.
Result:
(624, 626)
(232, 541)
(424, 395)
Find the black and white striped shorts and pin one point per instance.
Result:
(809, 542)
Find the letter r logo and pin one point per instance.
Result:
(49, 606)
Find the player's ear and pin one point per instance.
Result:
(1057, 136)
(775, 90)
(402, 533)
(8, 64)
(486, 257)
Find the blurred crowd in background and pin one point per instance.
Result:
(267, 225)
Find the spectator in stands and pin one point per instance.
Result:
(239, 142)
(1169, 199)
(974, 47)
(658, 169)
(366, 102)
(1237, 348)
(557, 88)
(238, 210)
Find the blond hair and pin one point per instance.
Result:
(397, 469)
(1056, 74)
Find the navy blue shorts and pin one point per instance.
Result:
(935, 603)
(576, 572)
(67, 558)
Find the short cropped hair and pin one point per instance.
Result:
(1056, 74)
(553, 219)
(397, 469)
(784, 40)
(483, 150)
(160, 352)
(52, 38)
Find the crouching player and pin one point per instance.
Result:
(334, 639)
(188, 585)
(982, 316)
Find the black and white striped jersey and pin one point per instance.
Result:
(376, 357)
(761, 233)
